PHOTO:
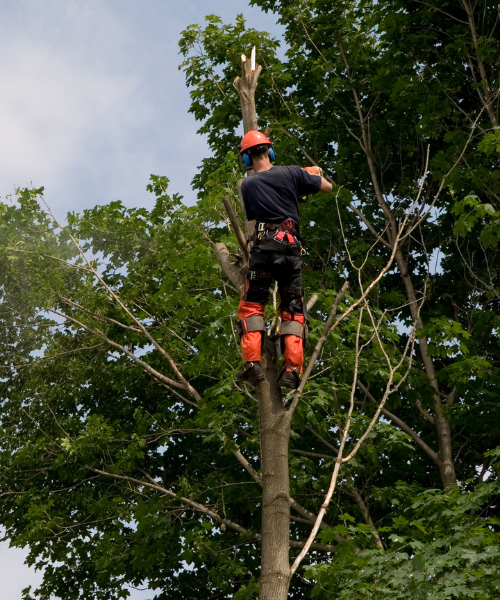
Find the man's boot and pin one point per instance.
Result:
(289, 377)
(251, 372)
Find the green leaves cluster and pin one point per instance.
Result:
(442, 545)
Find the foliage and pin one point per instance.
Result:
(440, 547)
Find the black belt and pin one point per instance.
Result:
(287, 225)
(285, 240)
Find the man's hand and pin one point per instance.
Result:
(314, 170)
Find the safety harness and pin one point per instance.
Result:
(283, 237)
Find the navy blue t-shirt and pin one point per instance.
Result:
(273, 196)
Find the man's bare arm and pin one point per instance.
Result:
(326, 186)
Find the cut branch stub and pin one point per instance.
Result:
(246, 86)
(234, 274)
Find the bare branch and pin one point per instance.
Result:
(236, 227)
(317, 349)
(338, 463)
(154, 485)
(156, 374)
(311, 454)
(322, 439)
(365, 510)
(186, 385)
(312, 301)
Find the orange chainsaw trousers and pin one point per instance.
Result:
(294, 345)
(251, 342)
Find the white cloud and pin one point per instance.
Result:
(50, 108)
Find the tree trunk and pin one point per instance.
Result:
(245, 86)
(274, 438)
(446, 465)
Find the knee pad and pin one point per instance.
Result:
(295, 328)
(249, 324)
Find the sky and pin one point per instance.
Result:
(91, 103)
(92, 99)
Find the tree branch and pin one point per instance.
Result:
(186, 385)
(152, 484)
(311, 454)
(236, 228)
(156, 374)
(317, 349)
(365, 510)
(232, 272)
(322, 439)
(401, 424)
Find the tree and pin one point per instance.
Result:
(128, 451)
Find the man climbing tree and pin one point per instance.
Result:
(271, 197)
(129, 457)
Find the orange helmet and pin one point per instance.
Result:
(253, 138)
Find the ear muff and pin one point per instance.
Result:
(247, 161)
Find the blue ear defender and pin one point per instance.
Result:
(247, 161)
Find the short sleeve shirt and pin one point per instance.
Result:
(273, 196)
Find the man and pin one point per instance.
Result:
(271, 197)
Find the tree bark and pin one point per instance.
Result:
(274, 438)
(246, 86)
(234, 274)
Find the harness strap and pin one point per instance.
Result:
(293, 290)
(249, 324)
(292, 328)
(259, 275)
(288, 226)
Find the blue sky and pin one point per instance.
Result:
(92, 102)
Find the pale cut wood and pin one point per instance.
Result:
(246, 86)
